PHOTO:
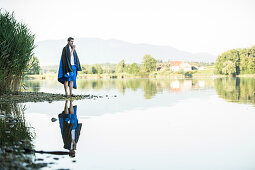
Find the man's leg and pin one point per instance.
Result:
(71, 107)
(66, 107)
(71, 87)
(65, 87)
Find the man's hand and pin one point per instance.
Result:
(73, 47)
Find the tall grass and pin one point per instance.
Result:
(16, 50)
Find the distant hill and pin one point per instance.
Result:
(96, 50)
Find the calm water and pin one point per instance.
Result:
(151, 124)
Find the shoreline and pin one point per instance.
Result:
(129, 76)
(24, 97)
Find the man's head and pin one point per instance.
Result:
(70, 41)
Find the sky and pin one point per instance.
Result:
(211, 26)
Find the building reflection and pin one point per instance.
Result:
(178, 86)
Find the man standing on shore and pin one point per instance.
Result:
(69, 67)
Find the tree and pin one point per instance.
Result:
(97, 69)
(149, 63)
(229, 68)
(133, 68)
(236, 61)
(33, 66)
(85, 68)
(247, 64)
(120, 66)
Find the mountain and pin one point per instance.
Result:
(96, 50)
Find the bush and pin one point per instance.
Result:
(16, 50)
(188, 74)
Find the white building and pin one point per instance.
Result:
(178, 65)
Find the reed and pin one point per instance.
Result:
(16, 50)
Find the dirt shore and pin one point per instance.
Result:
(23, 97)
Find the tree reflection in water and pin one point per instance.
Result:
(241, 90)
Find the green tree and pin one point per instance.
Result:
(247, 64)
(90, 69)
(120, 66)
(229, 68)
(85, 68)
(236, 61)
(97, 69)
(149, 63)
(33, 66)
(133, 68)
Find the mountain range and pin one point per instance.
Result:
(98, 51)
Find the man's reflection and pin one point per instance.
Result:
(70, 128)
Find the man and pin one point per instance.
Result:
(69, 67)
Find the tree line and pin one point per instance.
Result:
(148, 65)
(236, 61)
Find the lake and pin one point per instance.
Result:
(149, 124)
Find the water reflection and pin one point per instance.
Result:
(234, 89)
(150, 87)
(241, 90)
(177, 109)
(32, 86)
(70, 127)
(13, 127)
(15, 138)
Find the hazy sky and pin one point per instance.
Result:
(191, 25)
